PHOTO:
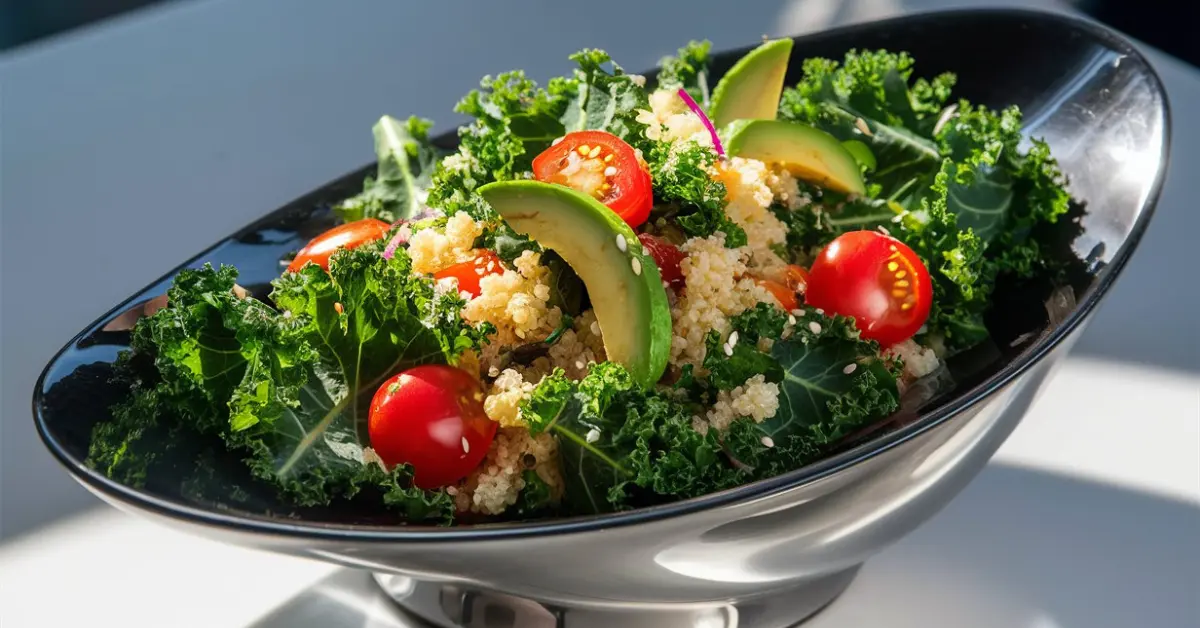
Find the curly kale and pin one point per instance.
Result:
(952, 180)
(405, 167)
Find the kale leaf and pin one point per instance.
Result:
(833, 381)
(687, 69)
(622, 446)
(406, 162)
(684, 189)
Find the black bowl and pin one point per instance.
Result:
(1085, 90)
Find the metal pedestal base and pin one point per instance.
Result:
(455, 606)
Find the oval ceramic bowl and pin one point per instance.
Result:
(765, 554)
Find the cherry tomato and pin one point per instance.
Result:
(432, 418)
(469, 273)
(876, 279)
(783, 294)
(604, 166)
(349, 235)
(796, 278)
(667, 256)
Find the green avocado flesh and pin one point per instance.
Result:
(810, 154)
(626, 290)
(751, 89)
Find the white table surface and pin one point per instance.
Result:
(199, 116)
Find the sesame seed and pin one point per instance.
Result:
(580, 364)
(728, 350)
(637, 266)
(622, 246)
(815, 327)
(797, 312)
(768, 442)
(466, 445)
(862, 126)
(883, 230)
(820, 312)
(610, 171)
(593, 435)
(733, 338)
(850, 368)
(791, 319)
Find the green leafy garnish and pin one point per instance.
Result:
(683, 189)
(406, 161)
(833, 382)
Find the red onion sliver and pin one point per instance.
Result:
(691, 103)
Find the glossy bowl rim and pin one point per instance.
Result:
(979, 393)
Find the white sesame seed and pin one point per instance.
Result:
(884, 230)
(637, 265)
(610, 171)
(622, 246)
(733, 338)
(593, 435)
(820, 312)
(466, 445)
(850, 368)
(595, 328)
(579, 364)
(768, 442)
(791, 319)
(728, 350)
(814, 326)
(797, 312)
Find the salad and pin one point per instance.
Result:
(616, 292)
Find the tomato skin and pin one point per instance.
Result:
(666, 256)
(796, 278)
(875, 278)
(604, 166)
(469, 273)
(783, 294)
(432, 418)
(348, 235)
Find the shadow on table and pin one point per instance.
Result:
(1018, 549)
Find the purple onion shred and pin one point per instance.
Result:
(712, 131)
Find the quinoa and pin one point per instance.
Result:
(432, 250)
(749, 197)
(579, 347)
(516, 303)
(918, 361)
(670, 119)
(717, 288)
(757, 399)
(497, 482)
(503, 402)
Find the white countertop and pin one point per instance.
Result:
(200, 116)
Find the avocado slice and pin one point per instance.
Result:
(810, 154)
(624, 285)
(752, 87)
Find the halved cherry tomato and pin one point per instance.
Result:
(469, 273)
(876, 279)
(796, 278)
(349, 235)
(667, 256)
(604, 166)
(432, 418)
(783, 294)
